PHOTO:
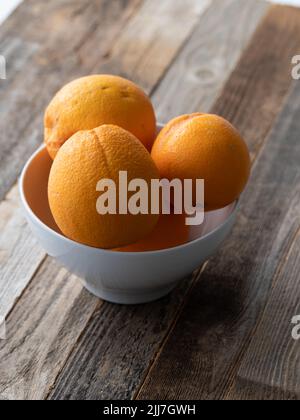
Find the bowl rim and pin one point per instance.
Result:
(59, 236)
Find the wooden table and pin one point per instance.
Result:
(226, 331)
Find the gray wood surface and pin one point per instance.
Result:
(197, 76)
(201, 358)
(270, 368)
(271, 365)
(42, 57)
(149, 45)
(20, 254)
(44, 327)
(116, 348)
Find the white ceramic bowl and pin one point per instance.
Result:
(119, 277)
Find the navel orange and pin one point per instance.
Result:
(91, 101)
(85, 159)
(204, 146)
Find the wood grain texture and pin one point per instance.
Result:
(201, 356)
(151, 41)
(86, 48)
(196, 77)
(38, 67)
(270, 369)
(45, 325)
(116, 348)
(20, 255)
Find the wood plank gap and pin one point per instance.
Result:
(169, 331)
(41, 330)
(72, 349)
(152, 91)
(245, 347)
(257, 385)
(206, 61)
(18, 298)
(133, 9)
(45, 68)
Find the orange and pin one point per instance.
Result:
(204, 146)
(91, 101)
(84, 160)
(169, 232)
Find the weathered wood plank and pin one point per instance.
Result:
(116, 348)
(270, 368)
(41, 16)
(20, 256)
(196, 77)
(44, 327)
(40, 66)
(265, 68)
(174, 19)
(200, 359)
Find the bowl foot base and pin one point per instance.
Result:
(126, 297)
